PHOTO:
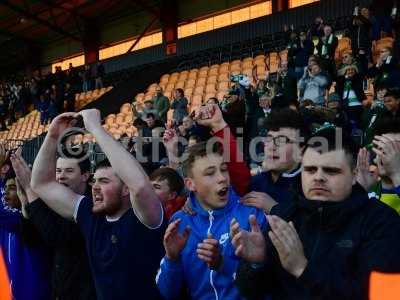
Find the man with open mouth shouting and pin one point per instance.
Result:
(198, 249)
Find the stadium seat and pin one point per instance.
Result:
(183, 75)
(198, 90)
(197, 100)
(209, 95)
(213, 71)
(170, 87)
(180, 84)
(223, 86)
(201, 81)
(224, 77)
(210, 88)
(193, 74)
(190, 83)
(221, 94)
(188, 92)
(224, 68)
(212, 79)
(164, 78)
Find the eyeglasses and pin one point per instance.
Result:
(279, 140)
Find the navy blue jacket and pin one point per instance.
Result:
(281, 190)
(343, 242)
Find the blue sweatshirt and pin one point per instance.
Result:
(192, 272)
(28, 266)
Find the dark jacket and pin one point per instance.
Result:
(303, 53)
(287, 86)
(386, 74)
(234, 115)
(360, 35)
(71, 275)
(356, 83)
(331, 47)
(343, 242)
(180, 107)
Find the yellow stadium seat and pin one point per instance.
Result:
(183, 75)
(168, 94)
(248, 72)
(210, 88)
(224, 68)
(247, 64)
(203, 73)
(193, 75)
(188, 92)
(190, 83)
(201, 81)
(197, 100)
(212, 79)
(208, 96)
(224, 77)
(198, 90)
(170, 87)
(180, 85)
(221, 94)
(213, 71)
(223, 86)
(164, 78)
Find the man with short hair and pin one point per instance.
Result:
(71, 275)
(210, 273)
(287, 82)
(326, 47)
(322, 245)
(392, 103)
(386, 144)
(313, 85)
(123, 225)
(281, 166)
(168, 185)
(28, 261)
(161, 104)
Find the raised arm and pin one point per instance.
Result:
(57, 196)
(238, 170)
(145, 202)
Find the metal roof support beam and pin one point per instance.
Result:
(142, 34)
(40, 21)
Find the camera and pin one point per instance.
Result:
(237, 78)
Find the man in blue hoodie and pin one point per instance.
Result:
(199, 253)
(27, 260)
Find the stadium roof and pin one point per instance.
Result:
(26, 25)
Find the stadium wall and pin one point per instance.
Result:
(300, 16)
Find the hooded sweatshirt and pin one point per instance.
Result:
(189, 270)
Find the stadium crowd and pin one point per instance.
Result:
(280, 191)
(50, 94)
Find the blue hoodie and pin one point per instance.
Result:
(29, 267)
(202, 282)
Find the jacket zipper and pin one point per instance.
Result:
(211, 219)
(320, 211)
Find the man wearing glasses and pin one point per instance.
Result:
(281, 166)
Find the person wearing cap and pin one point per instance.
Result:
(161, 104)
(349, 87)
